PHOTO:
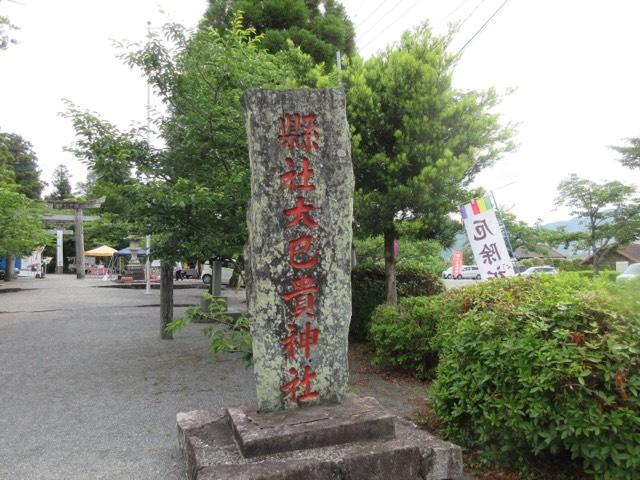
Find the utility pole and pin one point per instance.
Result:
(147, 264)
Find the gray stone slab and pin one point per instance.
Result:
(299, 250)
(211, 453)
(356, 419)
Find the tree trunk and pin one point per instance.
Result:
(390, 268)
(166, 300)
(596, 264)
(10, 267)
(217, 278)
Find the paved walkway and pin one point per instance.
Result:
(89, 391)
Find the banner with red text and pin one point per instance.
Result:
(486, 240)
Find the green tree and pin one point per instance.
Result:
(318, 27)
(610, 213)
(17, 154)
(201, 80)
(630, 153)
(417, 142)
(192, 194)
(21, 228)
(61, 184)
(5, 27)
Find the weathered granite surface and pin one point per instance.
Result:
(321, 159)
(211, 452)
(356, 419)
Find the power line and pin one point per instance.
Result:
(452, 12)
(356, 16)
(374, 10)
(382, 18)
(482, 27)
(471, 14)
(395, 21)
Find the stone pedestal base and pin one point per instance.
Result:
(356, 440)
(136, 271)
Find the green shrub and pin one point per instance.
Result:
(544, 366)
(608, 275)
(403, 336)
(563, 264)
(368, 291)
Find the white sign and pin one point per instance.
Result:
(487, 244)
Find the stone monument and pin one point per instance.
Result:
(134, 268)
(298, 268)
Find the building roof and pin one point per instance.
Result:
(631, 252)
(543, 251)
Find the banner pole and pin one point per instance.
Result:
(504, 228)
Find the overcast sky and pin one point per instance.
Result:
(573, 65)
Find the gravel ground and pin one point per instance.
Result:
(89, 391)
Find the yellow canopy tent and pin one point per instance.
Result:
(103, 251)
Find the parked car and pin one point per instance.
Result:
(227, 271)
(469, 272)
(631, 273)
(543, 270)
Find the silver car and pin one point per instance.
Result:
(632, 272)
(544, 270)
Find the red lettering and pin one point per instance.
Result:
(302, 285)
(288, 343)
(287, 179)
(299, 246)
(307, 339)
(304, 340)
(309, 132)
(289, 130)
(292, 387)
(300, 214)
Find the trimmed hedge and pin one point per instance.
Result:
(404, 337)
(368, 291)
(548, 365)
(609, 275)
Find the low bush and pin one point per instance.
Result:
(608, 275)
(544, 366)
(368, 291)
(403, 337)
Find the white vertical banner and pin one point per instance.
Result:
(59, 259)
(487, 244)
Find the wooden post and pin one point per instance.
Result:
(166, 299)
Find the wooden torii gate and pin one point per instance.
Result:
(76, 219)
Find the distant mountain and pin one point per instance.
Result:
(576, 224)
